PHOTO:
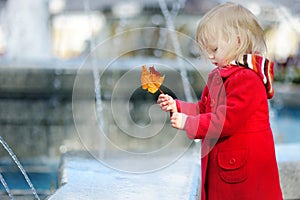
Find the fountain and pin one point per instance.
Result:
(6, 187)
(27, 40)
(97, 85)
(14, 157)
(177, 48)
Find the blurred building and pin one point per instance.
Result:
(68, 28)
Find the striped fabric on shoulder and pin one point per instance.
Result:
(264, 68)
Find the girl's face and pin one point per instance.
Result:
(217, 51)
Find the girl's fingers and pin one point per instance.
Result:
(165, 107)
(165, 102)
(161, 98)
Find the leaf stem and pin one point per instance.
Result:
(161, 91)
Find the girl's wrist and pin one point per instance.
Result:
(173, 106)
(184, 118)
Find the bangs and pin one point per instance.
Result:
(206, 33)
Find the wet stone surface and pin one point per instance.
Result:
(87, 178)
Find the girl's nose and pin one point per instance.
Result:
(211, 56)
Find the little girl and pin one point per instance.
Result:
(238, 158)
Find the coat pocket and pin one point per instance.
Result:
(233, 165)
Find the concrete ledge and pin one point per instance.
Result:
(288, 158)
(88, 178)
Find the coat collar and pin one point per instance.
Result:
(260, 65)
(225, 72)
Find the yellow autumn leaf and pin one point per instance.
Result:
(151, 80)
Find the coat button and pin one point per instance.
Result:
(218, 80)
(232, 161)
(212, 102)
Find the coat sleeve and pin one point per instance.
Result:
(187, 108)
(244, 90)
(193, 108)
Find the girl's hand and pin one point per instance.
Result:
(178, 120)
(167, 103)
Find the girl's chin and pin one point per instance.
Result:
(218, 65)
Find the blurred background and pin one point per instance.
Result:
(63, 29)
(45, 44)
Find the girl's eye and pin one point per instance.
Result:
(215, 49)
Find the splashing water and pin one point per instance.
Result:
(97, 85)
(6, 187)
(176, 45)
(162, 39)
(14, 157)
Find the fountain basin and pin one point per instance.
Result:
(44, 177)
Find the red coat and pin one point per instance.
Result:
(232, 119)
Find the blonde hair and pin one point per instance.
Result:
(235, 25)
